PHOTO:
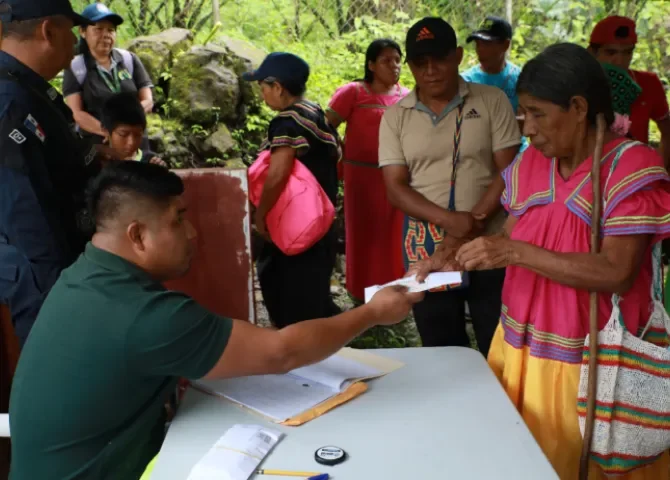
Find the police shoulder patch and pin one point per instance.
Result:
(31, 124)
(17, 136)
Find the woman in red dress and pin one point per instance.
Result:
(373, 226)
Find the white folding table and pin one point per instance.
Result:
(443, 415)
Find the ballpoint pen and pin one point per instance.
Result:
(286, 473)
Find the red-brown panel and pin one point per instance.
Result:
(221, 275)
(9, 356)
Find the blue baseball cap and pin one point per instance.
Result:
(280, 66)
(98, 12)
(18, 10)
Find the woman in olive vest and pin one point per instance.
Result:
(100, 71)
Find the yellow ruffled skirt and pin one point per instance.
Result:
(545, 393)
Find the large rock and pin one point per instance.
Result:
(167, 139)
(203, 90)
(161, 132)
(219, 144)
(157, 52)
(200, 96)
(235, 163)
(243, 57)
(248, 56)
(179, 156)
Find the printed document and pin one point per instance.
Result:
(281, 397)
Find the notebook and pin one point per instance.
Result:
(307, 392)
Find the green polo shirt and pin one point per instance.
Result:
(100, 362)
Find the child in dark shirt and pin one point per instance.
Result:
(124, 120)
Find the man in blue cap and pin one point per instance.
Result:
(492, 42)
(44, 165)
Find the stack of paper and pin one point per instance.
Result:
(281, 397)
(236, 454)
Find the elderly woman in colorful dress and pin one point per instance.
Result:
(537, 350)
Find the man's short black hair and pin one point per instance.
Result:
(297, 88)
(124, 183)
(21, 29)
(123, 109)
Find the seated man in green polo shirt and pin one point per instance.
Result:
(110, 340)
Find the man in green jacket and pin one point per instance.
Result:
(110, 341)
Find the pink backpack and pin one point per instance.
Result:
(303, 213)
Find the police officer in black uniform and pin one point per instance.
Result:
(44, 163)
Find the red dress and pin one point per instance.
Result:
(373, 226)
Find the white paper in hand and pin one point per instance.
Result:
(237, 454)
(433, 280)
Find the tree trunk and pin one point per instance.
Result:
(358, 9)
(200, 24)
(193, 18)
(296, 19)
(340, 16)
(178, 19)
(321, 18)
(155, 19)
(132, 18)
(143, 14)
(216, 12)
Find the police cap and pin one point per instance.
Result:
(18, 10)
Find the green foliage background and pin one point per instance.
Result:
(332, 35)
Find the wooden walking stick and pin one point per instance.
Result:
(593, 305)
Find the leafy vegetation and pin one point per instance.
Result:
(332, 35)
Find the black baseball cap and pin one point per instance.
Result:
(492, 29)
(97, 12)
(17, 10)
(280, 67)
(430, 36)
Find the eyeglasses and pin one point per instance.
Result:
(269, 80)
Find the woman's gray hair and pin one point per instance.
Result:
(564, 71)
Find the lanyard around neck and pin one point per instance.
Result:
(111, 79)
(456, 157)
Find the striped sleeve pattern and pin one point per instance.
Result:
(637, 196)
(296, 127)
